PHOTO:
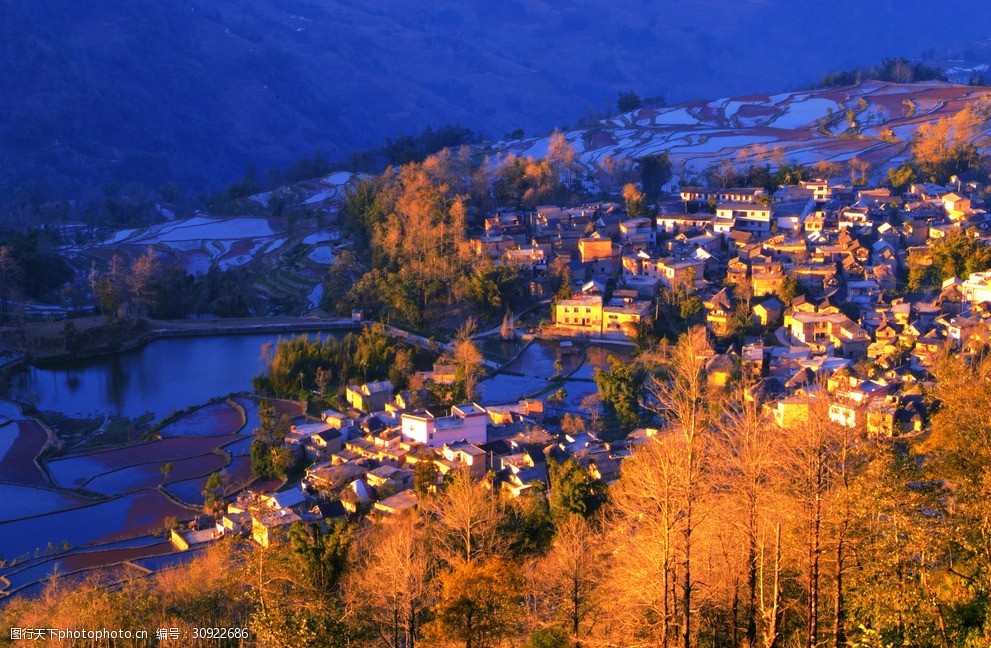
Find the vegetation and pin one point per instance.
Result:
(898, 70)
(301, 366)
(627, 101)
(269, 456)
(950, 145)
(622, 389)
(723, 525)
(956, 255)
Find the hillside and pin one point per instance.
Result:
(873, 122)
(192, 91)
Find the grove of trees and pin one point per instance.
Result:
(723, 530)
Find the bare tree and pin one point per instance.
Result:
(467, 517)
(808, 461)
(141, 281)
(747, 455)
(467, 358)
(642, 525)
(771, 606)
(391, 587)
(568, 578)
(680, 397)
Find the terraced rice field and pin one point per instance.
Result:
(215, 419)
(98, 509)
(798, 127)
(17, 461)
(74, 471)
(24, 501)
(134, 514)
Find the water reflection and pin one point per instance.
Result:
(161, 377)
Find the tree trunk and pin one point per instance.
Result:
(773, 612)
(751, 637)
(839, 613)
(814, 550)
(686, 603)
(575, 609)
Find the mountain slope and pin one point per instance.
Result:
(873, 122)
(193, 91)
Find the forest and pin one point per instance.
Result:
(722, 530)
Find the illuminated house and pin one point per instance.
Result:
(467, 422)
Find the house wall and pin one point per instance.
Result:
(575, 314)
(428, 432)
(591, 249)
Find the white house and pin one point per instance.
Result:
(977, 288)
(466, 422)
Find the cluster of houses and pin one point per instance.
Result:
(831, 240)
(845, 330)
(809, 273)
(853, 329)
(365, 459)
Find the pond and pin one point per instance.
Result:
(166, 375)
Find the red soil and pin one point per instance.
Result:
(18, 465)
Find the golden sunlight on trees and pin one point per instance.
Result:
(950, 145)
(679, 398)
(467, 516)
(566, 581)
(467, 359)
(391, 589)
(480, 603)
(636, 202)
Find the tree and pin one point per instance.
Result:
(947, 146)
(746, 452)
(808, 460)
(269, 457)
(527, 526)
(902, 177)
(562, 161)
(627, 101)
(895, 577)
(213, 493)
(573, 490)
(679, 396)
(621, 388)
(859, 171)
(655, 171)
(341, 276)
(321, 556)
(110, 287)
(960, 451)
(565, 290)
(480, 604)
(642, 526)
(467, 359)
(391, 587)
(425, 478)
(261, 460)
(635, 201)
(568, 579)
(468, 518)
(142, 281)
(612, 173)
(10, 280)
(958, 255)
(788, 290)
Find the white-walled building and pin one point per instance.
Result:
(977, 288)
(466, 422)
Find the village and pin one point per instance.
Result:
(801, 293)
